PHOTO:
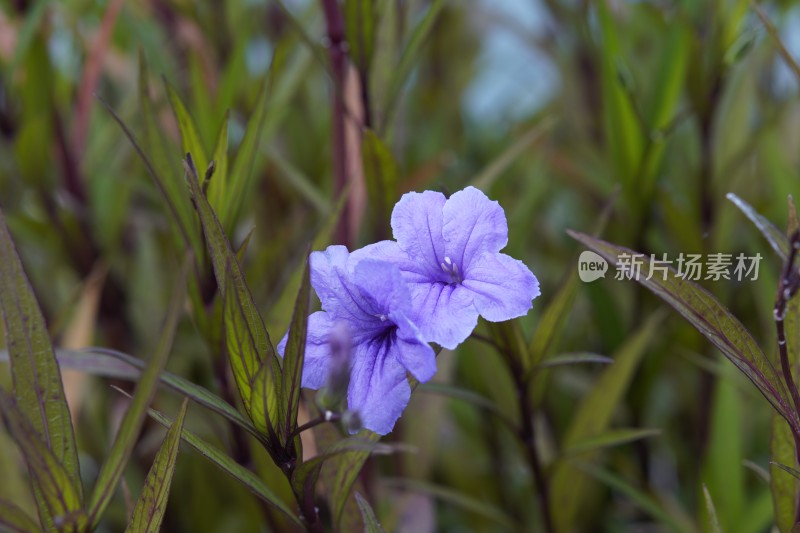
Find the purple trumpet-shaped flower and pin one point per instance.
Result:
(370, 298)
(448, 251)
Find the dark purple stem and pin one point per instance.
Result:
(788, 287)
(337, 50)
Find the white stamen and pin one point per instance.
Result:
(445, 268)
(447, 260)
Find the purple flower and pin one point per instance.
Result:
(370, 298)
(448, 251)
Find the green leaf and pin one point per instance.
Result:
(27, 32)
(457, 499)
(190, 138)
(622, 129)
(63, 506)
(615, 437)
(468, 396)
(219, 181)
(409, 56)
(346, 468)
(381, 175)
(279, 86)
(149, 510)
(281, 308)
(255, 366)
(774, 236)
(669, 85)
(113, 468)
(298, 181)
(713, 519)
(552, 321)
(568, 359)
(371, 524)
(15, 520)
(788, 469)
(523, 144)
(252, 357)
(713, 321)
(163, 174)
(641, 499)
(591, 419)
(359, 18)
(294, 356)
(38, 389)
(784, 487)
(113, 364)
(382, 69)
(225, 463)
(305, 476)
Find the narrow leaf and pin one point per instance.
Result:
(190, 138)
(713, 519)
(609, 439)
(524, 143)
(38, 389)
(250, 351)
(775, 237)
(381, 175)
(346, 468)
(457, 499)
(305, 476)
(113, 364)
(788, 469)
(371, 524)
(644, 501)
(299, 181)
(51, 480)
(565, 359)
(622, 128)
(410, 53)
(293, 359)
(225, 463)
(15, 520)
(468, 396)
(219, 181)
(552, 320)
(125, 440)
(712, 320)
(149, 510)
(360, 31)
(592, 418)
(241, 174)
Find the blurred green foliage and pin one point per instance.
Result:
(655, 111)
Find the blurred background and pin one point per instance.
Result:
(629, 118)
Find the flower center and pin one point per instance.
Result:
(452, 269)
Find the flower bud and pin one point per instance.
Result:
(333, 394)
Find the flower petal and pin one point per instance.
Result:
(473, 224)
(503, 287)
(378, 390)
(390, 252)
(444, 313)
(316, 363)
(382, 287)
(331, 278)
(417, 227)
(413, 352)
